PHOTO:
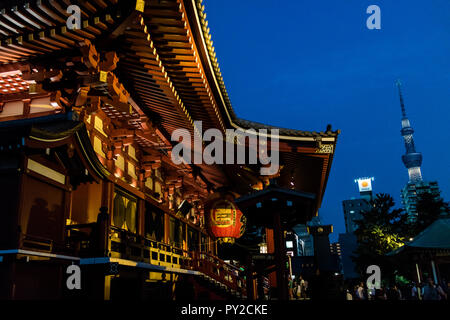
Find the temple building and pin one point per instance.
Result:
(413, 161)
(88, 111)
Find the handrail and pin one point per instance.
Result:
(223, 262)
(219, 270)
(43, 244)
(206, 263)
(81, 225)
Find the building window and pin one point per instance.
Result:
(154, 223)
(204, 243)
(158, 188)
(193, 239)
(176, 234)
(125, 211)
(263, 247)
(149, 183)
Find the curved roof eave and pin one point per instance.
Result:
(211, 62)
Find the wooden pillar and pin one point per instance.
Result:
(260, 285)
(419, 294)
(26, 107)
(97, 285)
(280, 257)
(186, 236)
(103, 226)
(419, 280)
(107, 292)
(7, 277)
(433, 268)
(107, 194)
(166, 228)
(249, 275)
(199, 243)
(141, 217)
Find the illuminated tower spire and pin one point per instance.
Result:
(411, 158)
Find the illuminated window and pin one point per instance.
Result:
(98, 147)
(120, 162)
(176, 234)
(263, 248)
(98, 124)
(132, 152)
(125, 211)
(131, 170)
(158, 188)
(289, 244)
(154, 223)
(149, 183)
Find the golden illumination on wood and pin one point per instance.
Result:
(46, 171)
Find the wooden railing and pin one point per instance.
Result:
(127, 245)
(43, 244)
(220, 271)
(80, 239)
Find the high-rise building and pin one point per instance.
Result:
(354, 207)
(412, 191)
(293, 244)
(348, 244)
(335, 248)
(306, 242)
(352, 212)
(412, 161)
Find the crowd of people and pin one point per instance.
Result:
(298, 289)
(301, 289)
(423, 291)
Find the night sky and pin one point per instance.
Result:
(304, 64)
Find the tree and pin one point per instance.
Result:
(381, 230)
(429, 208)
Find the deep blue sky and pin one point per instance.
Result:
(304, 64)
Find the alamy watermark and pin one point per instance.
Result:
(74, 20)
(74, 279)
(374, 280)
(374, 20)
(257, 144)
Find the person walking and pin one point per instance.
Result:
(414, 292)
(442, 294)
(430, 292)
(380, 294)
(301, 288)
(360, 292)
(348, 295)
(394, 293)
(291, 288)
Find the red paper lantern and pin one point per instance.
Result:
(225, 221)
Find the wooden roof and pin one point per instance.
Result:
(167, 62)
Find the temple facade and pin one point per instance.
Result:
(88, 109)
